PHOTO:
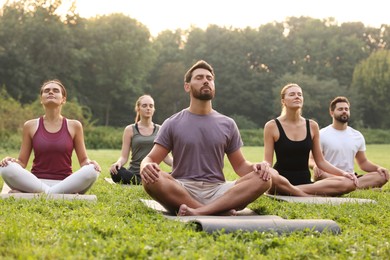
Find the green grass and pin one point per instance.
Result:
(119, 226)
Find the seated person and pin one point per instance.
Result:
(341, 145)
(53, 138)
(139, 138)
(199, 137)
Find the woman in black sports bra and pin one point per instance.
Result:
(291, 137)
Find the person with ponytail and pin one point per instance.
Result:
(139, 139)
(291, 137)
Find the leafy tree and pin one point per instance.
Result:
(117, 60)
(11, 113)
(166, 77)
(240, 89)
(36, 46)
(371, 83)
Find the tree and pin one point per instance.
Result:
(166, 77)
(117, 60)
(36, 45)
(371, 83)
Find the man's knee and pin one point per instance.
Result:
(157, 185)
(348, 186)
(259, 184)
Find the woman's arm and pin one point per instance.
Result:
(29, 129)
(270, 129)
(76, 130)
(125, 152)
(317, 153)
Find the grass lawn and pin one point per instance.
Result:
(118, 226)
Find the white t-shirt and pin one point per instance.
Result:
(341, 146)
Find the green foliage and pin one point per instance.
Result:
(107, 62)
(371, 83)
(13, 115)
(118, 58)
(71, 110)
(243, 122)
(101, 137)
(376, 136)
(119, 226)
(252, 137)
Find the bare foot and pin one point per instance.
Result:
(231, 212)
(184, 210)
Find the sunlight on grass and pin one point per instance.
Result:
(119, 226)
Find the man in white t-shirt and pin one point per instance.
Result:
(341, 145)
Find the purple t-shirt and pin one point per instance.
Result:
(198, 144)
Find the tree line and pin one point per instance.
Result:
(106, 62)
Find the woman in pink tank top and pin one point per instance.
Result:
(53, 138)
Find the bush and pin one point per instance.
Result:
(103, 137)
(376, 136)
(252, 137)
(244, 122)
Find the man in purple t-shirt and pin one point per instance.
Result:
(199, 137)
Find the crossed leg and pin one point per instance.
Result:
(366, 181)
(175, 198)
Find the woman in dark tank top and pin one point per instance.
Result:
(292, 137)
(138, 138)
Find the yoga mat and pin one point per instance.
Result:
(5, 195)
(249, 223)
(5, 188)
(160, 208)
(109, 180)
(320, 200)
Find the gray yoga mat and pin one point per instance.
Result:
(109, 180)
(320, 200)
(249, 221)
(5, 195)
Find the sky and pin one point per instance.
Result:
(159, 15)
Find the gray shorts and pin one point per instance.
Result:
(205, 192)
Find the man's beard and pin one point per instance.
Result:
(342, 118)
(202, 95)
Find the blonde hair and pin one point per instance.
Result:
(137, 105)
(283, 93)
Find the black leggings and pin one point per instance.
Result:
(124, 176)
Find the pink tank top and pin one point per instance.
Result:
(52, 152)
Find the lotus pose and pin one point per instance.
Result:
(199, 137)
(53, 138)
(341, 145)
(139, 138)
(291, 137)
